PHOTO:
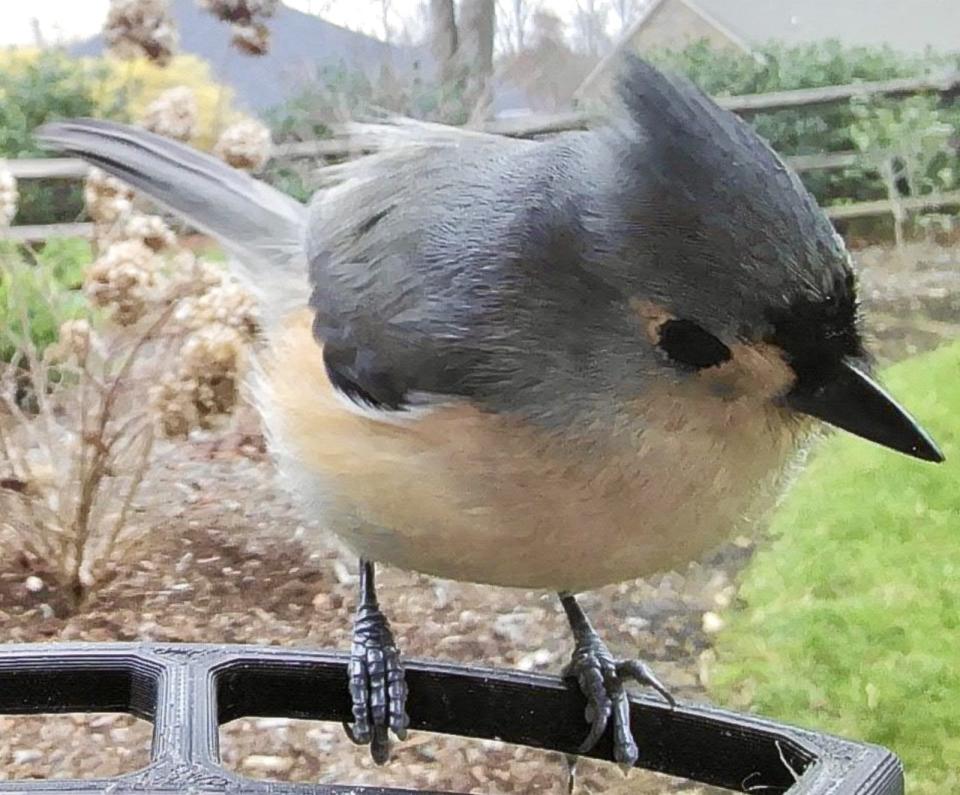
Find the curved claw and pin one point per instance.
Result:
(380, 744)
(599, 707)
(641, 673)
(348, 730)
(601, 679)
(597, 728)
(588, 667)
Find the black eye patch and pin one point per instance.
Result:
(688, 344)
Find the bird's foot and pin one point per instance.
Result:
(601, 678)
(378, 687)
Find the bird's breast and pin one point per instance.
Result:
(469, 495)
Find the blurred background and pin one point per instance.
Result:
(136, 498)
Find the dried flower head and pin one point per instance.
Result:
(174, 114)
(151, 229)
(141, 27)
(124, 280)
(206, 294)
(250, 35)
(251, 39)
(173, 403)
(206, 385)
(245, 145)
(8, 195)
(240, 11)
(192, 276)
(213, 358)
(73, 343)
(107, 199)
(227, 305)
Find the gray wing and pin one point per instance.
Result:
(452, 270)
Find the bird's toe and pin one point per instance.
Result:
(601, 679)
(378, 688)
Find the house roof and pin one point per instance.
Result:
(909, 27)
(299, 44)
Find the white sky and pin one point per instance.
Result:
(71, 19)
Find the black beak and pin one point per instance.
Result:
(847, 397)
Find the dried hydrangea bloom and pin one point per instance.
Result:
(124, 281)
(213, 357)
(246, 145)
(191, 275)
(250, 35)
(141, 27)
(151, 229)
(173, 403)
(227, 304)
(74, 341)
(8, 195)
(218, 319)
(107, 199)
(109, 204)
(205, 386)
(251, 39)
(173, 114)
(240, 11)
(207, 294)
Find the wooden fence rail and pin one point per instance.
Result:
(30, 233)
(48, 168)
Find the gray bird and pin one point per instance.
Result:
(550, 365)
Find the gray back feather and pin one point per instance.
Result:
(503, 271)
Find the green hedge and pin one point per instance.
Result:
(33, 91)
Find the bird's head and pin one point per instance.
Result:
(739, 280)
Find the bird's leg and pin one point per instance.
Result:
(378, 688)
(601, 678)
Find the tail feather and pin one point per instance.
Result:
(262, 228)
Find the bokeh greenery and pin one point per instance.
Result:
(850, 619)
(41, 297)
(37, 86)
(337, 93)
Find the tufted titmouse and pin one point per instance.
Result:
(554, 364)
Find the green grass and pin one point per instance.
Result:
(851, 616)
(42, 288)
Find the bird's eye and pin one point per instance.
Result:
(688, 344)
